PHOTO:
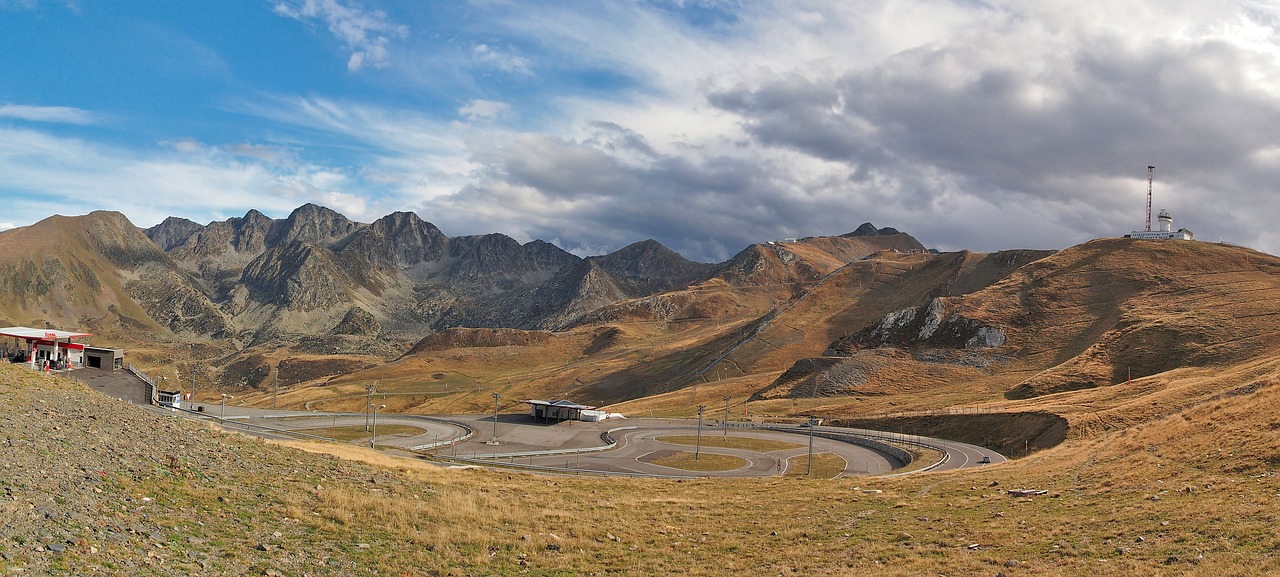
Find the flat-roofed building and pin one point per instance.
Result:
(556, 409)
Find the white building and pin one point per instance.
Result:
(1166, 230)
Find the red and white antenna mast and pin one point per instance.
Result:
(1150, 173)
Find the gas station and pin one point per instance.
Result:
(49, 348)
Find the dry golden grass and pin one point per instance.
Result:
(1198, 486)
(824, 466)
(1176, 472)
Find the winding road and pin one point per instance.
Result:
(578, 447)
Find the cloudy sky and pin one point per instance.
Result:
(705, 124)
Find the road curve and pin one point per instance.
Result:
(577, 446)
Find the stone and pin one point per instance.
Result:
(1012, 563)
(56, 547)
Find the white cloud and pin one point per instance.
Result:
(980, 125)
(484, 109)
(366, 33)
(187, 145)
(972, 125)
(504, 60)
(47, 174)
(52, 114)
(6, 225)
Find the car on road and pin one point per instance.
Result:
(985, 459)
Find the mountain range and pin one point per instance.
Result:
(318, 275)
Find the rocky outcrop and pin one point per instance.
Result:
(297, 276)
(358, 322)
(868, 229)
(929, 326)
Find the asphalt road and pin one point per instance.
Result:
(636, 447)
(524, 440)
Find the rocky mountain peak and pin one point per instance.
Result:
(648, 267)
(312, 223)
(868, 229)
(119, 240)
(172, 232)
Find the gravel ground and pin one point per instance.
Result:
(94, 486)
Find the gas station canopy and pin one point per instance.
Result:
(40, 334)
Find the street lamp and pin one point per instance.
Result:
(813, 424)
(222, 415)
(697, 449)
(374, 431)
(368, 402)
(494, 440)
(726, 418)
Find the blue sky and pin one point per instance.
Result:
(704, 124)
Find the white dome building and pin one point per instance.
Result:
(1166, 229)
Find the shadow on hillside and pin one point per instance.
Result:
(1010, 434)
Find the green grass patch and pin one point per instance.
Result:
(825, 465)
(745, 443)
(705, 462)
(357, 433)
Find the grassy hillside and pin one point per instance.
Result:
(1189, 493)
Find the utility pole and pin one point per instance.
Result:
(368, 402)
(812, 425)
(494, 440)
(697, 450)
(373, 433)
(726, 417)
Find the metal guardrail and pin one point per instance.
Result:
(151, 383)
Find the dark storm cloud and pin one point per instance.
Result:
(612, 188)
(1076, 126)
(980, 127)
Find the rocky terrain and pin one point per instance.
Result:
(89, 486)
(316, 274)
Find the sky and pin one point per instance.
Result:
(707, 125)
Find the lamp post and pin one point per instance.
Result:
(726, 418)
(813, 423)
(374, 431)
(494, 440)
(368, 402)
(222, 415)
(697, 448)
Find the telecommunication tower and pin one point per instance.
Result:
(1150, 173)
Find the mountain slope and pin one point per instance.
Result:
(99, 273)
